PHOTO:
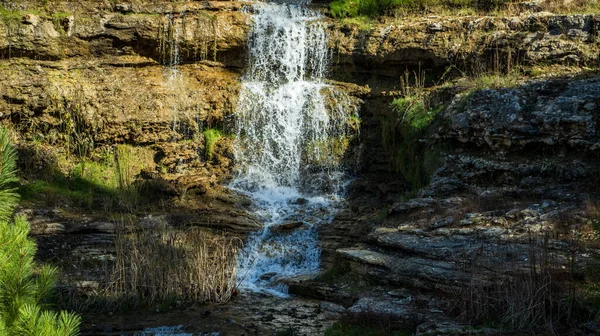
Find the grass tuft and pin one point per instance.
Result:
(211, 137)
(403, 131)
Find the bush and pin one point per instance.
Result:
(23, 291)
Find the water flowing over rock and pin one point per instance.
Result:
(286, 134)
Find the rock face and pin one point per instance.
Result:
(91, 75)
(561, 113)
(522, 126)
(517, 168)
(468, 42)
(165, 32)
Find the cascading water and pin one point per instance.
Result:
(286, 121)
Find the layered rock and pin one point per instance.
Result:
(470, 43)
(164, 32)
(517, 168)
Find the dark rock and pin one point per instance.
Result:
(413, 204)
(286, 227)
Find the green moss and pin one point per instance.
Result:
(328, 152)
(15, 16)
(211, 137)
(363, 23)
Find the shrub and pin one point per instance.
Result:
(107, 182)
(23, 291)
(539, 297)
(8, 176)
(353, 8)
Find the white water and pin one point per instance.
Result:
(283, 126)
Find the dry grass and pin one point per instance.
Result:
(504, 8)
(161, 265)
(592, 212)
(539, 296)
(572, 6)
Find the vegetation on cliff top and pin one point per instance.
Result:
(25, 287)
(370, 8)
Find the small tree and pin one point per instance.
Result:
(23, 291)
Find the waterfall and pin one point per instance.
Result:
(287, 124)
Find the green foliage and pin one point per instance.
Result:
(8, 176)
(211, 137)
(58, 19)
(15, 16)
(354, 8)
(24, 293)
(108, 181)
(414, 159)
(403, 131)
(8, 15)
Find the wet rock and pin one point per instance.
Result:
(300, 201)
(308, 286)
(267, 276)
(286, 227)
